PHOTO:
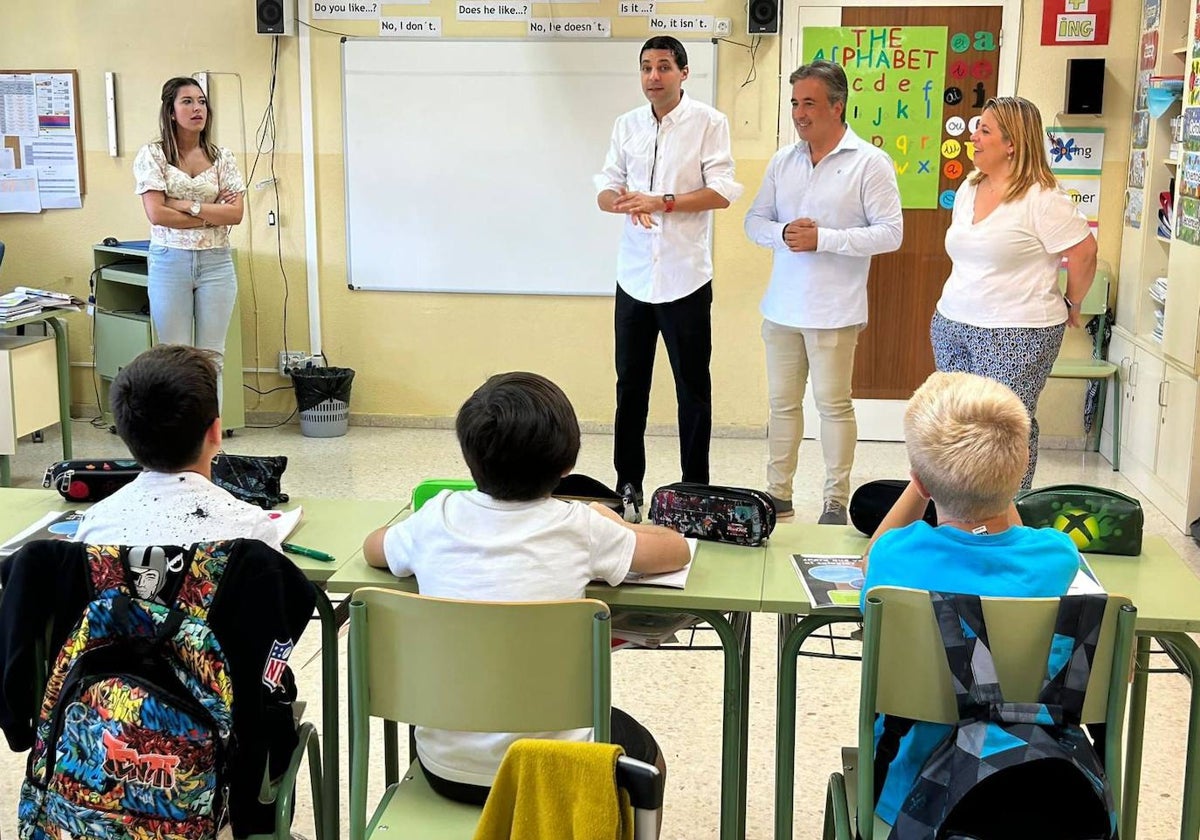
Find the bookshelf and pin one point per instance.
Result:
(1156, 340)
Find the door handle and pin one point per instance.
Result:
(1162, 393)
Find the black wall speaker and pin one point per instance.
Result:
(275, 17)
(762, 16)
(1085, 86)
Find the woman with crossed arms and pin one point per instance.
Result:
(1001, 313)
(192, 191)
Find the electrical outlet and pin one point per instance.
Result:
(290, 360)
(722, 26)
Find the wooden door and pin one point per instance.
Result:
(894, 355)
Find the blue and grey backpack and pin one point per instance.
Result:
(1011, 769)
(134, 734)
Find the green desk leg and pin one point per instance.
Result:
(5, 471)
(741, 625)
(1134, 735)
(329, 714)
(1185, 651)
(733, 731)
(785, 712)
(733, 769)
(62, 351)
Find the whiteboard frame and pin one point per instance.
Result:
(633, 43)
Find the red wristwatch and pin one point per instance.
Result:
(668, 202)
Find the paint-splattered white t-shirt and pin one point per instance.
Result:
(173, 509)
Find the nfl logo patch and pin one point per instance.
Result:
(276, 664)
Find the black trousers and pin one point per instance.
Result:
(686, 327)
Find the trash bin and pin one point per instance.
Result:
(323, 400)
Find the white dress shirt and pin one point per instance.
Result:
(853, 197)
(687, 151)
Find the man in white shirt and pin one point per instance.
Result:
(668, 167)
(826, 205)
(164, 403)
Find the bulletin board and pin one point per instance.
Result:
(470, 164)
(41, 141)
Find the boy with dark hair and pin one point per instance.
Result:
(510, 541)
(968, 446)
(165, 406)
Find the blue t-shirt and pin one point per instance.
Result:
(1019, 562)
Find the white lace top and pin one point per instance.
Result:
(152, 172)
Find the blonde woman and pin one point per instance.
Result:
(1001, 313)
(192, 192)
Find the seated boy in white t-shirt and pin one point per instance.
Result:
(510, 541)
(164, 403)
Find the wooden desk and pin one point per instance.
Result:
(1162, 587)
(335, 526)
(58, 326)
(724, 580)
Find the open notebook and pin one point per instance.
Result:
(676, 579)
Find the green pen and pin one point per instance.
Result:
(292, 548)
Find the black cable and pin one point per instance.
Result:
(276, 425)
(753, 74)
(287, 291)
(268, 391)
(329, 31)
(265, 138)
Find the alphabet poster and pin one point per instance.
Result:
(896, 76)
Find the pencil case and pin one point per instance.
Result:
(872, 501)
(90, 480)
(577, 487)
(255, 479)
(735, 515)
(1098, 520)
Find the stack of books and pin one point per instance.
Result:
(1158, 289)
(24, 301)
(15, 305)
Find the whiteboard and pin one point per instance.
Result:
(469, 164)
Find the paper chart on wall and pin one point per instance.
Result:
(39, 131)
(54, 151)
(18, 105)
(19, 191)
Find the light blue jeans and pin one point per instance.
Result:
(192, 294)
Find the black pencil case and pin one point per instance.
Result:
(735, 515)
(90, 480)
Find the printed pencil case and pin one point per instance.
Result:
(90, 480)
(735, 515)
(1098, 520)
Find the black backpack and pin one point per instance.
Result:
(1009, 770)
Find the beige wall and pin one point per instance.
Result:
(1042, 79)
(420, 354)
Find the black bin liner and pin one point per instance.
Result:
(316, 384)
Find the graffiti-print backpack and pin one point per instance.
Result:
(133, 737)
(1013, 769)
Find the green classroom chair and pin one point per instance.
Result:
(430, 487)
(1095, 302)
(905, 673)
(464, 665)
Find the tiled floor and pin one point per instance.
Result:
(676, 694)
